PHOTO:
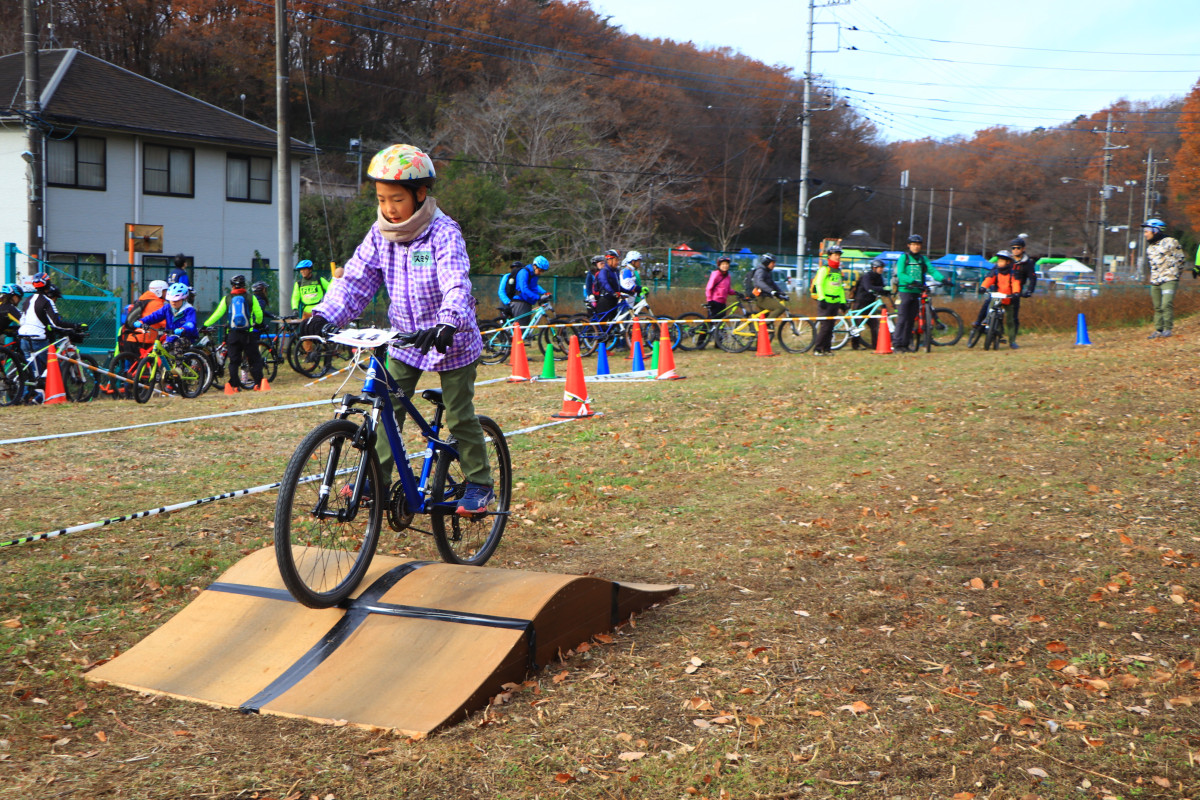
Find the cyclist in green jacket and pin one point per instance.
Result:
(245, 316)
(911, 269)
(308, 290)
(830, 294)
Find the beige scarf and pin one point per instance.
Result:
(408, 230)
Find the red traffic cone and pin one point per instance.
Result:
(666, 359)
(263, 386)
(229, 388)
(575, 397)
(634, 343)
(55, 391)
(883, 342)
(520, 361)
(764, 341)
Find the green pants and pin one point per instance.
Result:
(1162, 297)
(772, 305)
(458, 394)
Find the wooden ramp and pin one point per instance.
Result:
(419, 646)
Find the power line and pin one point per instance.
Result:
(1042, 49)
(1029, 66)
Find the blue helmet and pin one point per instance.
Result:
(13, 289)
(1155, 224)
(916, 238)
(177, 291)
(541, 263)
(305, 264)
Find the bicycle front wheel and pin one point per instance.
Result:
(735, 335)
(797, 335)
(190, 375)
(497, 343)
(312, 359)
(973, 336)
(79, 381)
(269, 360)
(693, 332)
(947, 327)
(841, 334)
(991, 339)
(557, 339)
(470, 540)
(11, 363)
(322, 555)
(145, 374)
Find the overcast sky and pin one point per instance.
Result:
(913, 87)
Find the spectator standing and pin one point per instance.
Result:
(1165, 257)
(830, 294)
(1025, 270)
(911, 269)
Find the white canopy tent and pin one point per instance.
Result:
(1070, 267)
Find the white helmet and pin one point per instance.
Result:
(177, 291)
(157, 288)
(632, 256)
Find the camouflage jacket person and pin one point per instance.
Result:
(1165, 257)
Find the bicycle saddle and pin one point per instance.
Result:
(433, 395)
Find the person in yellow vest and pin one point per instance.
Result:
(308, 290)
(830, 294)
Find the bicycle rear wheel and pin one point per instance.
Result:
(323, 558)
(947, 327)
(269, 359)
(556, 339)
(470, 540)
(144, 376)
(497, 343)
(79, 381)
(312, 362)
(11, 363)
(798, 336)
(735, 335)
(841, 334)
(693, 332)
(190, 375)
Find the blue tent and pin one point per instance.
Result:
(745, 251)
(890, 255)
(975, 261)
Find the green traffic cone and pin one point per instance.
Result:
(654, 357)
(548, 365)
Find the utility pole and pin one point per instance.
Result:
(33, 110)
(929, 229)
(912, 212)
(283, 180)
(1103, 200)
(949, 217)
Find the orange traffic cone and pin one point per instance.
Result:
(666, 359)
(764, 341)
(263, 386)
(575, 397)
(55, 391)
(883, 342)
(229, 388)
(520, 361)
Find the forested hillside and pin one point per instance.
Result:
(559, 133)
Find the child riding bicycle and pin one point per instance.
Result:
(178, 315)
(419, 253)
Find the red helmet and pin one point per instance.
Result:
(40, 281)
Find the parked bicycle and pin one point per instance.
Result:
(992, 331)
(498, 334)
(615, 326)
(173, 368)
(330, 508)
(79, 380)
(942, 327)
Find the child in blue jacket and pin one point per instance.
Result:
(177, 313)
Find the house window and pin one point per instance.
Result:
(168, 170)
(78, 162)
(248, 179)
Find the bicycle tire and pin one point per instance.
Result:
(694, 332)
(736, 336)
(311, 363)
(947, 327)
(674, 331)
(269, 359)
(79, 381)
(322, 561)
(11, 364)
(497, 344)
(991, 340)
(797, 336)
(556, 339)
(926, 329)
(189, 375)
(144, 376)
(841, 334)
(589, 335)
(974, 336)
(470, 540)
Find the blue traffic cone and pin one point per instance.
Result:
(602, 360)
(1081, 333)
(639, 363)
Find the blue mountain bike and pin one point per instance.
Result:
(330, 508)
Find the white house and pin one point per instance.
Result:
(121, 148)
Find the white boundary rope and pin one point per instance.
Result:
(266, 487)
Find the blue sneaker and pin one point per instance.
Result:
(475, 500)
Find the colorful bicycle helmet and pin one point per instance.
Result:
(541, 263)
(13, 289)
(305, 264)
(611, 254)
(402, 163)
(238, 282)
(632, 256)
(158, 288)
(40, 281)
(1155, 224)
(177, 291)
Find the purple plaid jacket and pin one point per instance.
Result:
(428, 284)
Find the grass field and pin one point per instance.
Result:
(961, 574)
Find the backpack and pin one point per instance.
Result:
(510, 284)
(241, 309)
(135, 311)
(748, 283)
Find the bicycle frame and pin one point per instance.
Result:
(378, 389)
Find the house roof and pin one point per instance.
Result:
(81, 90)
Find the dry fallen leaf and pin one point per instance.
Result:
(1057, 664)
(1038, 772)
(963, 795)
(856, 708)
(1163, 782)
(1056, 647)
(631, 756)
(101, 735)
(977, 584)
(564, 777)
